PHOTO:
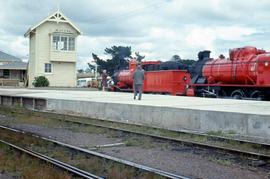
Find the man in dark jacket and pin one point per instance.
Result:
(138, 78)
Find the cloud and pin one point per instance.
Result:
(205, 37)
(157, 29)
(15, 45)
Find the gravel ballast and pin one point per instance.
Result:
(181, 161)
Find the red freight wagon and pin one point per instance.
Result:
(173, 82)
(160, 77)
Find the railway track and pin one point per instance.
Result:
(62, 165)
(256, 145)
(78, 171)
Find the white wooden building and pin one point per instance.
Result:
(53, 50)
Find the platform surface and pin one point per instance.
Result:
(206, 104)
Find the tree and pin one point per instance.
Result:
(80, 71)
(176, 58)
(188, 62)
(90, 68)
(139, 57)
(41, 81)
(102, 64)
(120, 56)
(119, 59)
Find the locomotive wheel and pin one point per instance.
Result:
(256, 95)
(238, 94)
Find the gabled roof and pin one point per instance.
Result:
(14, 66)
(55, 17)
(4, 57)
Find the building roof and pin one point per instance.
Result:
(17, 65)
(4, 57)
(55, 17)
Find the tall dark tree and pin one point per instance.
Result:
(120, 58)
(102, 64)
(90, 68)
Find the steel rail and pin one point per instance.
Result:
(188, 142)
(59, 164)
(100, 155)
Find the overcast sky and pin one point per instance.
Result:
(158, 29)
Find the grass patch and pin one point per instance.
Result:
(144, 142)
(223, 162)
(27, 167)
(99, 166)
(222, 133)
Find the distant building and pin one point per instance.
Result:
(12, 70)
(53, 50)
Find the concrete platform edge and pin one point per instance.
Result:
(170, 118)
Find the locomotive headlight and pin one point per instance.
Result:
(266, 64)
(185, 78)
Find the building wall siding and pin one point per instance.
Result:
(63, 56)
(32, 58)
(62, 76)
(63, 63)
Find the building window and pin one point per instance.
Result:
(48, 68)
(55, 42)
(71, 43)
(63, 43)
(6, 73)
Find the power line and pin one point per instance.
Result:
(128, 14)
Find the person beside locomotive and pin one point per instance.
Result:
(138, 78)
(104, 80)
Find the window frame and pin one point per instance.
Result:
(69, 44)
(57, 46)
(51, 68)
(5, 76)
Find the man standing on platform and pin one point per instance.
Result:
(104, 80)
(138, 78)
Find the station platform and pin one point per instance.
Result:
(244, 117)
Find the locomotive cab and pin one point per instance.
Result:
(263, 69)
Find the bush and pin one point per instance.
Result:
(41, 81)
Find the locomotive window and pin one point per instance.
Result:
(150, 67)
(144, 67)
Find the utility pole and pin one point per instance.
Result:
(96, 70)
(96, 66)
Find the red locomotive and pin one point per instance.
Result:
(245, 74)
